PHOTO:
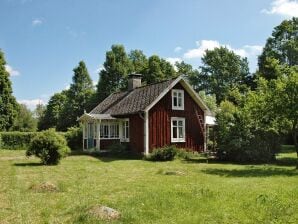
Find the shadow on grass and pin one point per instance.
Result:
(252, 172)
(286, 161)
(109, 156)
(28, 164)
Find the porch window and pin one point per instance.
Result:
(114, 130)
(177, 99)
(109, 130)
(125, 131)
(177, 129)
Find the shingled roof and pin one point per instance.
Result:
(130, 102)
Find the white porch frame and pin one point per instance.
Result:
(97, 120)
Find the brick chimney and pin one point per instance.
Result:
(134, 81)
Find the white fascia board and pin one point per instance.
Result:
(163, 93)
(190, 91)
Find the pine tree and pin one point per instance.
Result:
(114, 75)
(8, 104)
(78, 97)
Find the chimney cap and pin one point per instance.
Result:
(135, 75)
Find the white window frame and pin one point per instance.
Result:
(109, 125)
(177, 126)
(125, 130)
(177, 91)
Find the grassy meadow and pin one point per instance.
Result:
(201, 192)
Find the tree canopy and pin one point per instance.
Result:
(8, 103)
(280, 48)
(221, 71)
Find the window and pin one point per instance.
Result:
(114, 130)
(109, 130)
(177, 129)
(125, 131)
(177, 99)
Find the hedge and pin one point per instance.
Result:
(16, 140)
(20, 140)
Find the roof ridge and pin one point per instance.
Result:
(122, 91)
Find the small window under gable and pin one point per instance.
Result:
(177, 99)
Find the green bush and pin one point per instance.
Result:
(49, 146)
(118, 148)
(166, 153)
(239, 140)
(183, 154)
(16, 140)
(74, 136)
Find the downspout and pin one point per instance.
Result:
(205, 132)
(145, 117)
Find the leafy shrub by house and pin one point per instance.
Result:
(241, 140)
(118, 148)
(16, 140)
(74, 137)
(166, 153)
(49, 146)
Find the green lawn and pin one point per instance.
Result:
(206, 193)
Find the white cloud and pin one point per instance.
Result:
(100, 67)
(202, 46)
(31, 104)
(172, 61)
(12, 71)
(37, 22)
(286, 8)
(253, 49)
(177, 49)
(67, 87)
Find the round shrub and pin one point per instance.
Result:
(74, 136)
(166, 153)
(49, 146)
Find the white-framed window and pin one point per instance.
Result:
(177, 99)
(109, 130)
(125, 131)
(177, 129)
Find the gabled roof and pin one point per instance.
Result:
(142, 98)
(130, 102)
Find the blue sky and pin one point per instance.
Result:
(43, 40)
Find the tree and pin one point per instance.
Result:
(280, 48)
(24, 120)
(209, 100)
(158, 70)
(39, 111)
(8, 103)
(52, 114)
(283, 98)
(139, 61)
(222, 70)
(77, 98)
(113, 77)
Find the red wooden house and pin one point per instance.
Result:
(147, 117)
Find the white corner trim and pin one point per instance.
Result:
(146, 132)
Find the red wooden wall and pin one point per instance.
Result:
(136, 133)
(160, 123)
